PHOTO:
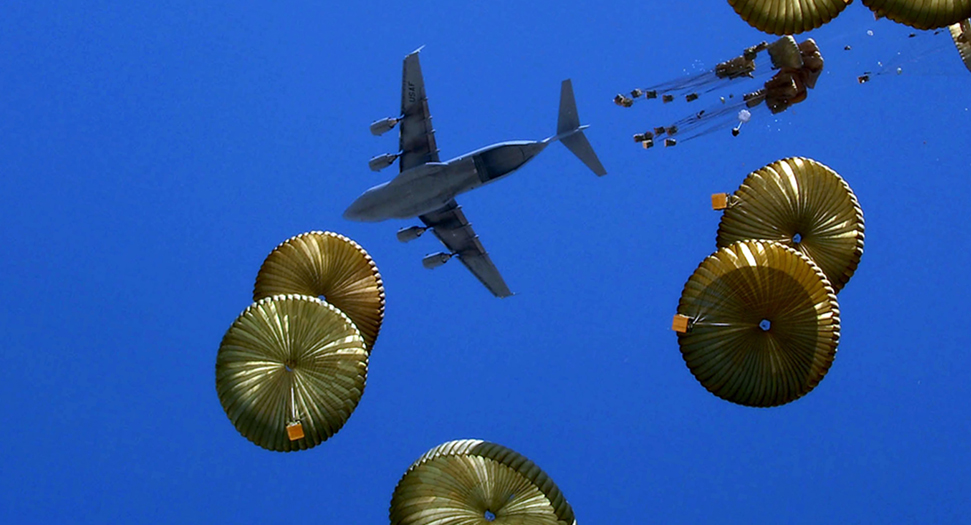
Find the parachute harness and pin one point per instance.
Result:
(294, 427)
(710, 302)
(293, 406)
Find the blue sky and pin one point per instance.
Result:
(152, 156)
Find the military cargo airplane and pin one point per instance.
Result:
(426, 187)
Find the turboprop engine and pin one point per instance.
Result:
(410, 234)
(381, 161)
(435, 260)
(380, 127)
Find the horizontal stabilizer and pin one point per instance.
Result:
(580, 146)
(570, 132)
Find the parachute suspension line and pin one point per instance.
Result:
(692, 86)
(293, 405)
(711, 120)
(895, 65)
(913, 50)
(706, 306)
(294, 427)
(751, 64)
(840, 40)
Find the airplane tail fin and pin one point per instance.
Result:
(570, 132)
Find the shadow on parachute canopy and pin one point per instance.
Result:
(796, 66)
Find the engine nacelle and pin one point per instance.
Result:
(435, 260)
(380, 127)
(410, 234)
(381, 161)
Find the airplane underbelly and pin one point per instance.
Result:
(499, 161)
(415, 209)
(415, 199)
(423, 189)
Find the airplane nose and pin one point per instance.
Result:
(368, 207)
(353, 212)
(360, 210)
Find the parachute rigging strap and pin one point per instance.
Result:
(293, 406)
(294, 427)
(714, 305)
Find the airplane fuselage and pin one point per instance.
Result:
(428, 187)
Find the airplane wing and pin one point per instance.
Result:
(416, 137)
(453, 229)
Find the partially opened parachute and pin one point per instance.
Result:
(803, 204)
(922, 14)
(328, 265)
(788, 17)
(474, 482)
(290, 362)
(761, 324)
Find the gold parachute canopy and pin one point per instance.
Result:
(474, 482)
(290, 362)
(763, 324)
(922, 14)
(961, 33)
(328, 265)
(788, 17)
(805, 205)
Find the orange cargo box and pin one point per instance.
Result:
(295, 431)
(680, 323)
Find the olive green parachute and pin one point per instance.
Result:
(784, 52)
(474, 482)
(961, 33)
(763, 324)
(290, 360)
(805, 205)
(787, 17)
(332, 266)
(922, 14)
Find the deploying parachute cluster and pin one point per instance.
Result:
(790, 17)
(758, 321)
(797, 67)
(471, 482)
(292, 367)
